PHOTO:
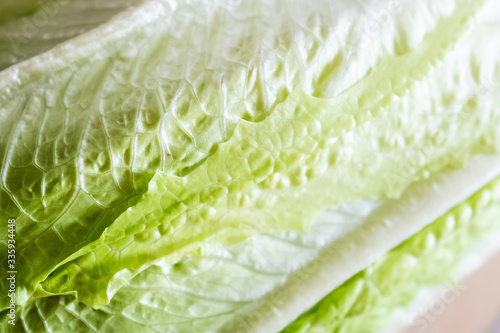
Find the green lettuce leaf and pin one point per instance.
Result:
(273, 176)
(154, 138)
(207, 295)
(52, 23)
(366, 302)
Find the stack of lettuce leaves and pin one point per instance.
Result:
(244, 166)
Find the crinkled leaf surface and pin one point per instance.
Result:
(271, 176)
(179, 128)
(205, 295)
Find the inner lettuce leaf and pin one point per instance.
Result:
(86, 126)
(276, 175)
(205, 295)
(366, 302)
(217, 185)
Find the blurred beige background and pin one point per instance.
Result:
(476, 310)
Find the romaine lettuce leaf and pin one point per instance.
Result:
(212, 294)
(274, 175)
(365, 302)
(154, 138)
